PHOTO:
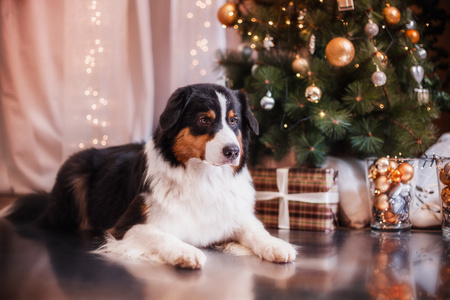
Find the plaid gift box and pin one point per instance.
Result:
(303, 198)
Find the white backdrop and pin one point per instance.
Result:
(77, 74)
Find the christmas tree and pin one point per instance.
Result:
(334, 77)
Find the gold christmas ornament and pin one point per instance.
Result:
(407, 171)
(390, 217)
(413, 35)
(447, 169)
(396, 176)
(381, 184)
(382, 165)
(391, 15)
(313, 93)
(300, 65)
(444, 177)
(445, 194)
(392, 165)
(373, 173)
(340, 52)
(227, 14)
(381, 202)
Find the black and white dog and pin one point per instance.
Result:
(188, 187)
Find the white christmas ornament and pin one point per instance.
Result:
(371, 29)
(417, 73)
(421, 52)
(379, 78)
(267, 102)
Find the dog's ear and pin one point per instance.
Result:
(174, 108)
(249, 118)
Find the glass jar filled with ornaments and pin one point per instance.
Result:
(390, 182)
(443, 173)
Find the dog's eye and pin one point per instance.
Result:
(233, 121)
(204, 121)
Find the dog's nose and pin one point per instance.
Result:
(231, 151)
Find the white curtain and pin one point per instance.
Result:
(73, 74)
(92, 73)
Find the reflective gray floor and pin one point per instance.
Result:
(347, 264)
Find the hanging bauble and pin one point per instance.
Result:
(421, 52)
(300, 65)
(227, 14)
(411, 24)
(245, 49)
(413, 35)
(371, 29)
(313, 93)
(417, 72)
(391, 15)
(379, 78)
(340, 52)
(267, 102)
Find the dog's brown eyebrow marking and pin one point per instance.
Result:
(211, 114)
(231, 114)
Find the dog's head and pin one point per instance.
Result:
(206, 122)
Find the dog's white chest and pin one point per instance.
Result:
(201, 206)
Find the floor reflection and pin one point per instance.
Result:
(347, 264)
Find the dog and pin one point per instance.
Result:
(188, 187)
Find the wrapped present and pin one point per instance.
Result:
(303, 198)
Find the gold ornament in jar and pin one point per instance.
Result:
(382, 165)
(407, 171)
(381, 202)
(396, 175)
(445, 194)
(444, 174)
(381, 184)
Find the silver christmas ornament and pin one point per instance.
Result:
(267, 102)
(313, 93)
(411, 24)
(379, 78)
(421, 52)
(417, 73)
(371, 29)
(245, 49)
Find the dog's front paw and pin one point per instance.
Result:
(186, 257)
(278, 251)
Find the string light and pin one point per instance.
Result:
(92, 93)
(201, 46)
